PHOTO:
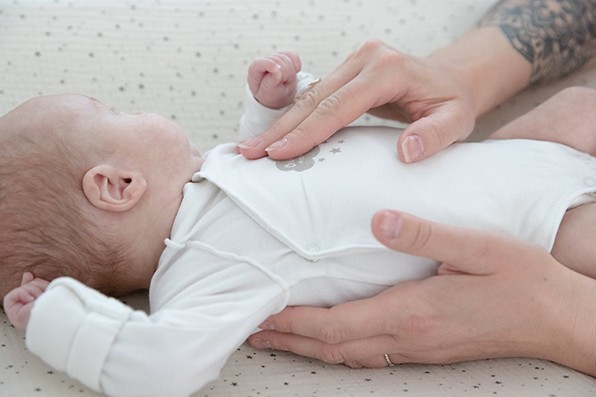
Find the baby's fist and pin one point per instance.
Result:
(272, 80)
(19, 302)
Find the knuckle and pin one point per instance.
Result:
(307, 101)
(421, 237)
(372, 45)
(390, 57)
(484, 249)
(331, 355)
(330, 109)
(330, 104)
(383, 54)
(439, 132)
(331, 334)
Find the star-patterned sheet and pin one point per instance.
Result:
(187, 59)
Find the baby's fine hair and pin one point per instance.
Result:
(44, 229)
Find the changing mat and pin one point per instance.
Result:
(187, 60)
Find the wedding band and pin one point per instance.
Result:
(313, 83)
(388, 360)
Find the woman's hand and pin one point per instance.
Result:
(389, 84)
(494, 296)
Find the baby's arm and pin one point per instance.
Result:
(180, 347)
(272, 80)
(18, 302)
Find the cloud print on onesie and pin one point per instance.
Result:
(310, 159)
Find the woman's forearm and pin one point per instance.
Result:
(519, 42)
(556, 37)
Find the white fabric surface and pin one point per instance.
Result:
(187, 59)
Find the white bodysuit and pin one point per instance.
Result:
(252, 237)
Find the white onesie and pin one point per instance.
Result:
(254, 236)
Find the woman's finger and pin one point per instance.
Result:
(322, 102)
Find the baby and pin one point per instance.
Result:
(103, 203)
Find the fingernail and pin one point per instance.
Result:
(412, 148)
(260, 343)
(277, 145)
(390, 224)
(250, 143)
(267, 325)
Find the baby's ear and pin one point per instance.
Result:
(113, 189)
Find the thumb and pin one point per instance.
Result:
(434, 132)
(460, 250)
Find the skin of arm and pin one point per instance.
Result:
(555, 37)
(516, 43)
(531, 41)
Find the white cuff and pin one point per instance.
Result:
(72, 328)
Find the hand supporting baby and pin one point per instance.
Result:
(19, 302)
(272, 80)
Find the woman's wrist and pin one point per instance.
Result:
(491, 76)
(560, 319)
(574, 339)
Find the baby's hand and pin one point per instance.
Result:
(19, 301)
(272, 80)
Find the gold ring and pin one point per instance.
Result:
(313, 83)
(388, 360)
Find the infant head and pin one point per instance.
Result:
(84, 191)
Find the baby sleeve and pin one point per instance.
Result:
(200, 315)
(63, 321)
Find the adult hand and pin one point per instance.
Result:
(389, 84)
(494, 296)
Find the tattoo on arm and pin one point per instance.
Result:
(556, 36)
